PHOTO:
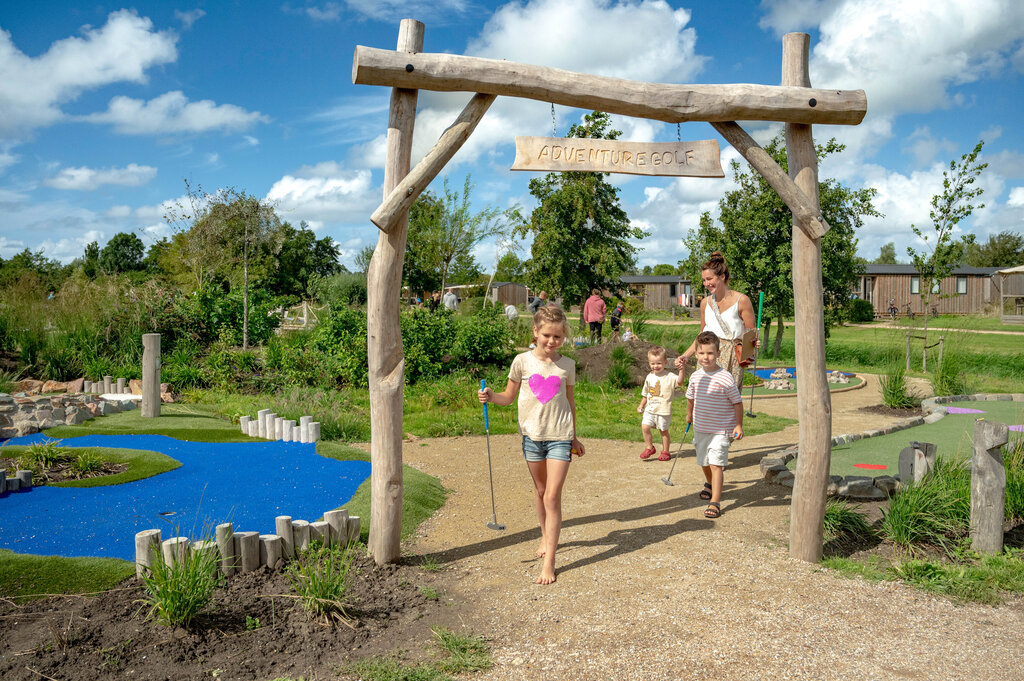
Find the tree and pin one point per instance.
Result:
(364, 257)
(886, 255)
(756, 239)
(91, 260)
(301, 258)
(50, 273)
(663, 269)
(580, 232)
(1005, 249)
(510, 267)
(935, 261)
(123, 253)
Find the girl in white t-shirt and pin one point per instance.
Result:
(547, 422)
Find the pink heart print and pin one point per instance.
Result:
(544, 388)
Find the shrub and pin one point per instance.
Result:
(178, 592)
(843, 521)
(862, 310)
(46, 454)
(894, 389)
(86, 462)
(484, 338)
(428, 338)
(473, 305)
(340, 290)
(638, 323)
(321, 577)
(949, 378)
(618, 375)
(340, 341)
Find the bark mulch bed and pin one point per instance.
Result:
(108, 636)
(882, 410)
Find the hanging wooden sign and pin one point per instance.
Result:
(556, 154)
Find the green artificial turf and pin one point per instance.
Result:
(759, 390)
(24, 575)
(192, 423)
(953, 435)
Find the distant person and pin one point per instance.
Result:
(616, 320)
(450, 300)
(537, 303)
(656, 402)
(714, 408)
(593, 314)
(511, 313)
(435, 301)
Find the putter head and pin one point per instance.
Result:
(750, 414)
(495, 526)
(668, 482)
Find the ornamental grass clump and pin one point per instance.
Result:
(85, 463)
(322, 576)
(179, 591)
(843, 521)
(895, 394)
(935, 512)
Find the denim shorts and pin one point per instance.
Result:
(559, 450)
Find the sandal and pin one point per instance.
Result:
(648, 453)
(713, 510)
(664, 456)
(705, 493)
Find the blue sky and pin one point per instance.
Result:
(105, 109)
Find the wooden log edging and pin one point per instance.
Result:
(270, 426)
(239, 552)
(774, 467)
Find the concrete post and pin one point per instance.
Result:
(120, 386)
(150, 375)
(988, 486)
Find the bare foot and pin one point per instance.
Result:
(541, 550)
(547, 573)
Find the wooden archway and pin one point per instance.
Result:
(407, 70)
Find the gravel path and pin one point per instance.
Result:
(649, 589)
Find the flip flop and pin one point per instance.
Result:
(713, 510)
(705, 493)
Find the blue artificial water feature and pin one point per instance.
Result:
(245, 483)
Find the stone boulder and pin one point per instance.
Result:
(29, 385)
(135, 386)
(778, 384)
(54, 387)
(838, 377)
(76, 386)
(781, 373)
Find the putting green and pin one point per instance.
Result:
(952, 434)
(854, 381)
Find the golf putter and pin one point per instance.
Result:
(668, 480)
(750, 410)
(494, 524)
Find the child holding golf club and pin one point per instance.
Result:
(714, 407)
(547, 422)
(656, 402)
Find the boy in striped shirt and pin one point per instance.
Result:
(714, 407)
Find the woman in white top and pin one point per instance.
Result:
(735, 314)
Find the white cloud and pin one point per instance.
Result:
(172, 113)
(32, 89)
(1016, 198)
(88, 179)
(400, 9)
(250, 141)
(910, 56)
(924, 147)
(325, 193)
(9, 248)
(7, 159)
(189, 18)
(118, 212)
(330, 11)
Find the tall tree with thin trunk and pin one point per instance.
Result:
(937, 258)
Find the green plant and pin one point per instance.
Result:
(843, 521)
(895, 394)
(638, 323)
(1013, 461)
(618, 375)
(179, 591)
(46, 454)
(949, 377)
(9, 381)
(982, 579)
(86, 462)
(935, 512)
(429, 592)
(322, 576)
(252, 623)
(861, 310)
(461, 653)
(430, 563)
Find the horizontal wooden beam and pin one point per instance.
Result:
(805, 215)
(659, 101)
(400, 199)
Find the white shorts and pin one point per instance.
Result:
(712, 448)
(658, 421)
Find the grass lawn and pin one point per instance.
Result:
(953, 435)
(141, 464)
(192, 423)
(22, 575)
(967, 322)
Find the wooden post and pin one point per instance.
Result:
(176, 550)
(353, 528)
(270, 551)
(207, 548)
(988, 486)
(150, 375)
(243, 424)
(908, 351)
(320, 531)
(814, 403)
(247, 547)
(226, 547)
(147, 543)
(300, 534)
(338, 520)
(384, 335)
(283, 527)
(942, 343)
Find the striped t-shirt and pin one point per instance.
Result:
(714, 396)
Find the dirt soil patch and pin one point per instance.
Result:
(109, 636)
(890, 412)
(593, 361)
(63, 471)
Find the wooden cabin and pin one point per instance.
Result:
(508, 292)
(968, 290)
(660, 292)
(1010, 283)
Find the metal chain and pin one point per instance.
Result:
(678, 134)
(554, 129)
